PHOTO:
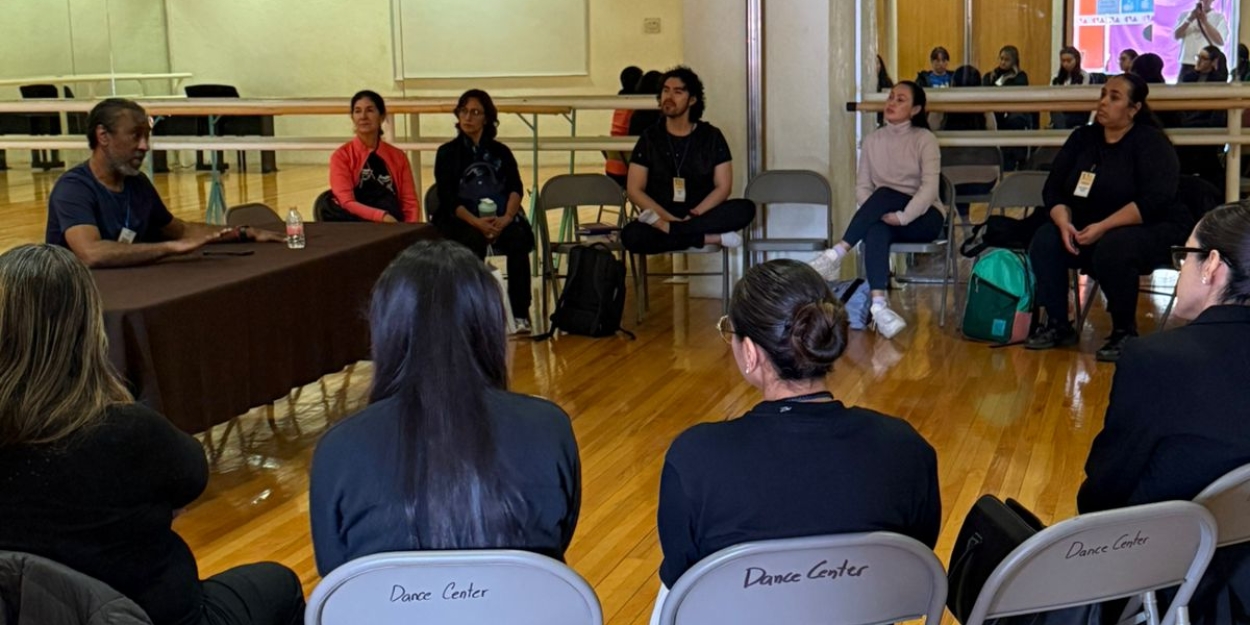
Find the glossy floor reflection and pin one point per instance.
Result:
(1004, 421)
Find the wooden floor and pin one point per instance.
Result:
(1005, 421)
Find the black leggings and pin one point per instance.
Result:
(1116, 261)
(866, 226)
(265, 593)
(732, 216)
(515, 243)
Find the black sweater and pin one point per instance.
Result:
(1175, 423)
(785, 470)
(1142, 167)
(102, 502)
(450, 163)
(355, 497)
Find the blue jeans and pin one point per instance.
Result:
(877, 235)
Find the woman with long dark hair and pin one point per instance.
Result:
(444, 456)
(1008, 74)
(1161, 446)
(897, 192)
(479, 197)
(1111, 197)
(94, 480)
(1127, 56)
(1070, 73)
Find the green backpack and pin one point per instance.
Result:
(999, 306)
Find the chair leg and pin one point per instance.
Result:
(724, 292)
(646, 288)
(1085, 302)
(1167, 312)
(640, 286)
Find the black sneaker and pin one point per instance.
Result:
(1052, 335)
(1110, 352)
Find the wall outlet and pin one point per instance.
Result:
(651, 25)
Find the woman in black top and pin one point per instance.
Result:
(1176, 418)
(800, 463)
(92, 480)
(1111, 195)
(1008, 74)
(1070, 73)
(444, 457)
(1204, 160)
(479, 197)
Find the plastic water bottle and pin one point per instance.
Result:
(486, 208)
(294, 230)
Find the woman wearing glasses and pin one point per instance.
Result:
(799, 463)
(1175, 421)
(479, 196)
(1111, 198)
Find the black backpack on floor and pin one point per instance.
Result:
(593, 300)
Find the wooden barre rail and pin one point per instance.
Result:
(1031, 99)
(177, 106)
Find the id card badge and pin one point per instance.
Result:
(127, 236)
(1083, 187)
(679, 189)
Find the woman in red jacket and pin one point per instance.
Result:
(369, 178)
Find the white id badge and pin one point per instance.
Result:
(127, 236)
(679, 189)
(1087, 181)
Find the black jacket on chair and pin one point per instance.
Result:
(1177, 421)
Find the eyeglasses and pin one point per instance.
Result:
(470, 113)
(1180, 254)
(1202, 57)
(725, 330)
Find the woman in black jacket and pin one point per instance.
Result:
(1176, 418)
(1008, 74)
(479, 197)
(1111, 197)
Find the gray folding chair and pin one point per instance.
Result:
(454, 588)
(254, 214)
(1021, 189)
(641, 274)
(973, 165)
(566, 193)
(1103, 556)
(1228, 500)
(848, 579)
(944, 246)
(772, 189)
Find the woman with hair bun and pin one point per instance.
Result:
(800, 463)
(1176, 418)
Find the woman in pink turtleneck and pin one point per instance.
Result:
(897, 193)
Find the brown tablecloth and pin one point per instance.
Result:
(201, 339)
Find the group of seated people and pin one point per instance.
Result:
(679, 177)
(94, 480)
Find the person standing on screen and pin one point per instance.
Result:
(1198, 28)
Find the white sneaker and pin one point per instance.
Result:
(887, 322)
(730, 239)
(828, 264)
(522, 326)
(648, 217)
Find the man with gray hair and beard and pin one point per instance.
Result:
(109, 214)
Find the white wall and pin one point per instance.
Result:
(35, 40)
(290, 48)
(809, 76)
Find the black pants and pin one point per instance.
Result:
(515, 243)
(732, 216)
(866, 226)
(265, 593)
(1117, 260)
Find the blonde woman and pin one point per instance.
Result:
(93, 480)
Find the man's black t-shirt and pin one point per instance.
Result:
(693, 157)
